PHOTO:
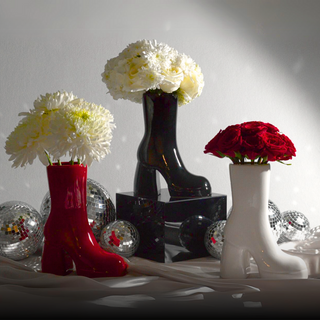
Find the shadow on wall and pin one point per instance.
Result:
(289, 30)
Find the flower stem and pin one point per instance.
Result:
(59, 162)
(48, 157)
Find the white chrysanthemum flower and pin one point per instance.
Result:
(192, 83)
(53, 101)
(28, 140)
(60, 125)
(172, 80)
(83, 130)
(149, 65)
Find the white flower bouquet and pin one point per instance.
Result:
(61, 124)
(148, 65)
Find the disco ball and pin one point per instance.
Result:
(45, 207)
(192, 231)
(314, 233)
(33, 262)
(275, 219)
(214, 238)
(295, 226)
(21, 230)
(312, 245)
(120, 237)
(100, 208)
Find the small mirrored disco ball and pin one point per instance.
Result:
(312, 245)
(21, 230)
(214, 238)
(295, 226)
(100, 208)
(120, 237)
(314, 233)
(275, 219)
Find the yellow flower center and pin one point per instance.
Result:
(150, 76)
(82, 114)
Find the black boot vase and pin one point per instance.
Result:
(158, 153)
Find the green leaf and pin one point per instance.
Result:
(221, 154)
(238, 155)
(287, 164)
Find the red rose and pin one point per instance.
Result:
(252, 140)
(227, 142)
(252, 128)
(275, 147)
(291, 150)
(271, 128)
(252, 145)
(255, 127)
(212, 146)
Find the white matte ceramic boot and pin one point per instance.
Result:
(248, 233)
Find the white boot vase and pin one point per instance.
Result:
(247, 232)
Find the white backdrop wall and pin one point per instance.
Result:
(260, 60)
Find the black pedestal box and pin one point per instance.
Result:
(171, 230)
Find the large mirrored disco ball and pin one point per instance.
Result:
(296, 226)
(214, 238)
(192, 232)
(21, 230)
(33, 262)
(100, 207)
(120, 237)
(275, 219)
(45, 207)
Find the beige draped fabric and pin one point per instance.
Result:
(188, 289)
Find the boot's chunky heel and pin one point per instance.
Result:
(158, 151)
(67, 231)
(147, 181)
(55, 260)
(240, 266)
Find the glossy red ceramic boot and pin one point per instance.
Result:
(68, 236)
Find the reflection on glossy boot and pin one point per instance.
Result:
(158, 153)
(247, 232)
(68, 236)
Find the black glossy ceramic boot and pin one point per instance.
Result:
(158, 152)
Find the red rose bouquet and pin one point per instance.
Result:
(251, 142)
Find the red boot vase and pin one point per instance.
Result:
(68, 236)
